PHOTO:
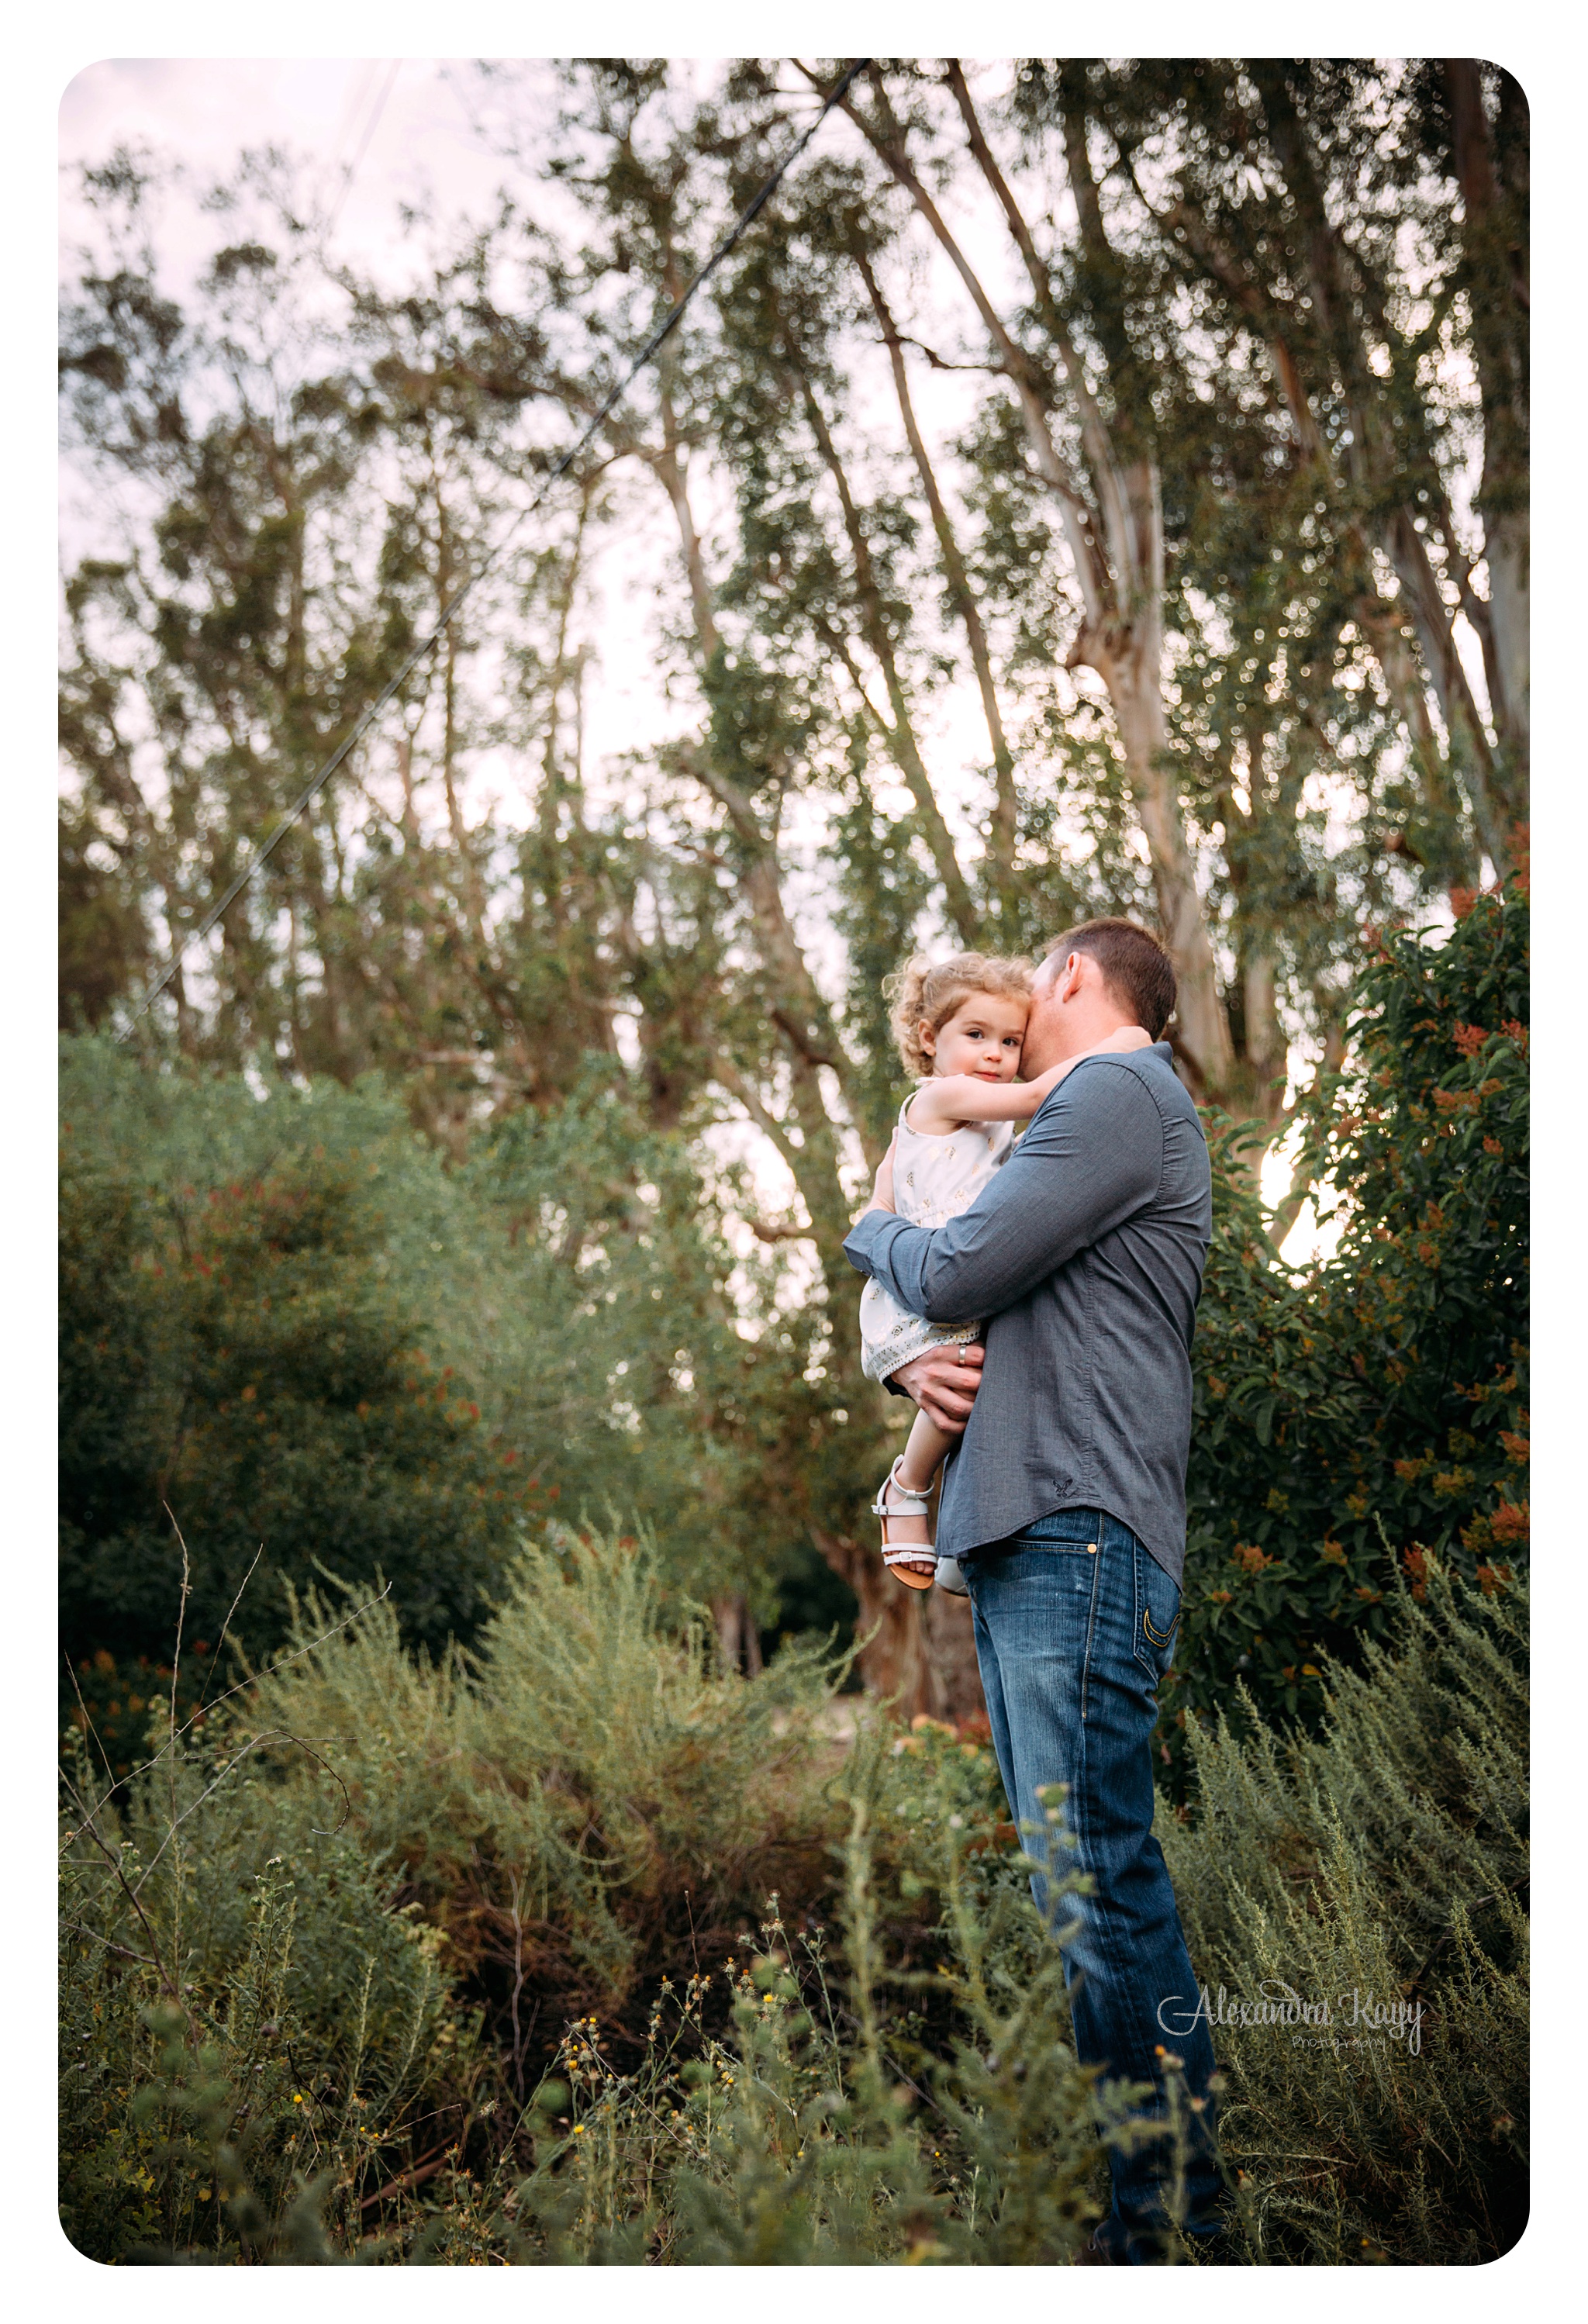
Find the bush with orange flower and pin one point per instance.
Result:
(1351, 1416)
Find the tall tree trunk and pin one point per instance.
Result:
(1327, 262)
(959, 588)
(1494, 188)
(738, 1639)
(921, 1651)
(892, 1660)
(1116, 546)
(1383, 619)
(899, 733)
(801, 1014)
(1129, 661)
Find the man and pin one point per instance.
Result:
(1065, 1502)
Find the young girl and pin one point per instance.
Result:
(961, 1023)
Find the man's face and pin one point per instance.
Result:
(1046, 1043)
(1072, 1009)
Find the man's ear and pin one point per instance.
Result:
(1067, 982)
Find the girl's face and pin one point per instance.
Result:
(983, 1038)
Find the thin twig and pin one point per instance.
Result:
(110, 1945)
(254, 1743)
(253, 1679)
(176, 1660)
(130, 1893)
(424, 2169)
(518, 1985)
(227, 1625)
(170, 1772)
(93, 1731)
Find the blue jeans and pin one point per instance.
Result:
(1076, 1624)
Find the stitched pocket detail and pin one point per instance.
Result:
(1158, 1637)
(1071, 1530)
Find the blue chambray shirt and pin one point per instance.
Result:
(1085, 1257)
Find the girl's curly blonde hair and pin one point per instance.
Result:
(928, 992)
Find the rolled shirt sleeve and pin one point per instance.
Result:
(1093, 1156)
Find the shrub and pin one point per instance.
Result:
(1355, 1418)
(570, 1278)
(781, 2140)
(239, 1362)
(115, 1698)
(249, 2088)
(254, 2041)
(583, 1798)
(1384, 1858)
(455, 1897)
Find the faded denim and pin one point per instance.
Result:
(1075, 1625)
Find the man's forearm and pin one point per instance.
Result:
(899, 1256)
(883, 1245)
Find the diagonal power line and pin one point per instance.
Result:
(350, 170)
(393, 685)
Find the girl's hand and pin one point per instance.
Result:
(882, 1183)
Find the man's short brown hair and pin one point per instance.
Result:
(1136, 967)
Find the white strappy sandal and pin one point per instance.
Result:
(907, 1504)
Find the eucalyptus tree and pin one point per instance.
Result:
(243, 625)
(1105, 487)
(301, 468)
(1131, 392)
(1364, 227)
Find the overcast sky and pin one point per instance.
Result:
(398, 125)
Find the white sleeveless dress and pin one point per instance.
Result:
(934, 1179)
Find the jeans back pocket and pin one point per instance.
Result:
(1158, 1614)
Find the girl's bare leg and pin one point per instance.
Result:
(924, 1454)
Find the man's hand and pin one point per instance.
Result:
(944, 1383)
